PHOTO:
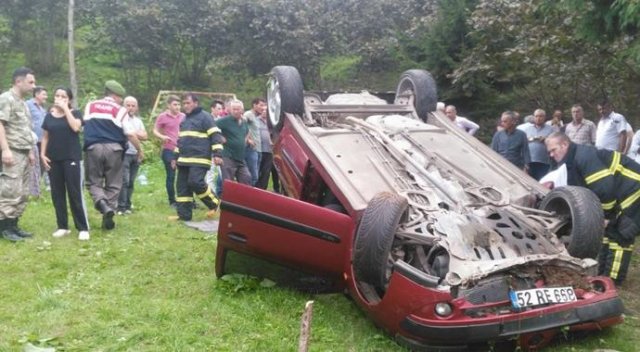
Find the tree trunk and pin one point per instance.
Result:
(72, 55)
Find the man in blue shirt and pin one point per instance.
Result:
(38, 111)
(511, 143)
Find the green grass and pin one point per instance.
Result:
(149, 285)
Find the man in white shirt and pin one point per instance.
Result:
(462, 122)
(612, 129)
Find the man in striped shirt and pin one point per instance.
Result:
(580, 130)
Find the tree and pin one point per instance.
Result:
(72, 52)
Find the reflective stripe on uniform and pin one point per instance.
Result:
(629, 173)
(205, 193)
(216, 147)
(615, 162)
(608, 206)
(213, 130)
(618, 254)
(630, 200)
(184, 199)
(193, 134)
(201, 161)
(208, 193)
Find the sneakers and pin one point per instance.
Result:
(61, 233)
(83, 235)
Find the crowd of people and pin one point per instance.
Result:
(601, 156)
(42, 144)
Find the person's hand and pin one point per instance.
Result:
(32, 158)
(140, 156)
(217, 160)
(61, 104)
(548, 185)
(173, 164)
(7, 157)
(45, 162)
(166, 138)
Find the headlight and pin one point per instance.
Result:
(443, 309)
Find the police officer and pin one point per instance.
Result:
(199, 139)
(16, 146)
(106, 131)
(615, 179)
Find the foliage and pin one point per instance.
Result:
(530, 52)
(341, 71)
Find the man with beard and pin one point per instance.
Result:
(16, 149)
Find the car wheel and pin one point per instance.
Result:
(417, 88)
(284, 94)
(582, 234)
(374, 238)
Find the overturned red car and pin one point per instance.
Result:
(441, 242)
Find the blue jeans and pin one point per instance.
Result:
(252, 159)
(130, 168)
(170, 184)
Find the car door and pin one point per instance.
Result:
(283, 230)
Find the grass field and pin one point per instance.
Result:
(149, 285)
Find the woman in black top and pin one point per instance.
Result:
(61, 155)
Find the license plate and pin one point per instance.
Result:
(539, 296)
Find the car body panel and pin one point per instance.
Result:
(283, 230)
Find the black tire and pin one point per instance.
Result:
(417, 87)
(582, 235)
(285, 94)
(374, 238)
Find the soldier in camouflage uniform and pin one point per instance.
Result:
(16, 147)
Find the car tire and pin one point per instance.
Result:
(417, 87)
(582, 235)
(374, 238)
(285, 94)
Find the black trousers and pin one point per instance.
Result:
(266, 162)
(66, 180)
(190, 181)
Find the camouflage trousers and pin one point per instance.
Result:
(14, 185)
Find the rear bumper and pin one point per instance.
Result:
(458, 336)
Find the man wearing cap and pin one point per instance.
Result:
(16, 152)
(106, 131)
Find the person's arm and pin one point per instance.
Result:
(593, 133)
(470, 126)
(43, 150)
(7, 155)
(73, 122)
(623, 141)
(494, 142)
(525, 152)
(141, 132)
(598, 178)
